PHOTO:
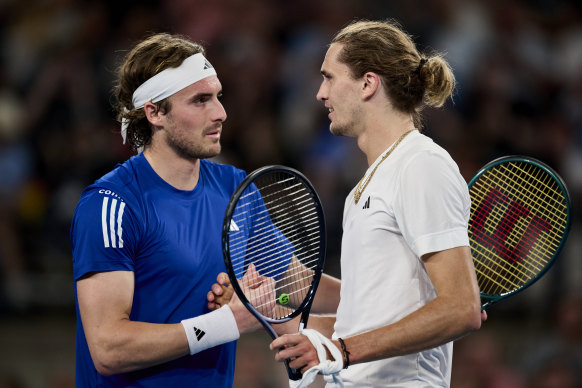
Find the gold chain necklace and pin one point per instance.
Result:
(363, 183)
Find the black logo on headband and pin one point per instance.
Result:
(207, 64)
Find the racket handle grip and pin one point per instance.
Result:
(293, 374)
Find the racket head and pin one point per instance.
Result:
(519, 223)
(275, 220)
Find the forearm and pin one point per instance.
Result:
(322, 317)
(118, 344)
(122, 350)
(322, 323)
(440, 321)
(327, 297)
(455, 312)
(125, 345)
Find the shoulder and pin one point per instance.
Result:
(426, 167)
(123, 174)
(220, 168)
(423, 157)
(221, 175)
(118, 187)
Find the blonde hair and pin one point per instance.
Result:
(412, 80)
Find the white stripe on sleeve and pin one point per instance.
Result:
(119, 228)
(104, 221)
(112, 222)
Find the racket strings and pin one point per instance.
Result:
(270, 252)
(260, 244)
(519, 271)
(511, 276)
(538, 205)
(544, 191)
(537, 260)
(289, 279)
(278, 229)
(272, 270)
(519, 232)
(521, 227)
(300, 284)
(260, 247)
(262, 218)
(270, 258)
(540, 195)
(294, 287)
(509, 180)
(272, 212)
(263, 236)
(296, 294)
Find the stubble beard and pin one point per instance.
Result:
(347, 128)
(339, 129)
(193, 151)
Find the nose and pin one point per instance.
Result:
(220, 112)
(321, 93)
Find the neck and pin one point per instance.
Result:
(381, 134)
(178, 172)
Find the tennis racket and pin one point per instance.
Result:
(520, 219)
(274, 221)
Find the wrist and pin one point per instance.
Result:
(245, 321)
(345, 353)
(212, 329)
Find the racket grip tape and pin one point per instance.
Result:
(293, 373)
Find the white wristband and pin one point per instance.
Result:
(215, 328)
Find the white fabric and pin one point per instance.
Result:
(417, 202)
(124, 125)
(214, 328)
(172, 80)
(168, 82)
(326, 367)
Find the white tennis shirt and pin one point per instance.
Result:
(417, 202)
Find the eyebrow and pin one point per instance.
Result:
(198, 96)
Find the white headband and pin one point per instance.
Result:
(168, 82)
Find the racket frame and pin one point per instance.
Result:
(489, 298)
(305, 307)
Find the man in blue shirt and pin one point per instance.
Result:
(146, 236)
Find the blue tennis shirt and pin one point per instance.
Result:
(132, 220)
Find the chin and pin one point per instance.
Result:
(336, 131)
(200, 153)
(211, 153)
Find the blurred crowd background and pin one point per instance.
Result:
(519, 71)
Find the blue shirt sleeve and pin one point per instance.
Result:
(103, 234)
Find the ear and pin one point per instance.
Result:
(371, 84)
(152, 113)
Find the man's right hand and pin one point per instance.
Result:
(220, 293)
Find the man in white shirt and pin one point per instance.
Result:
(408, 285)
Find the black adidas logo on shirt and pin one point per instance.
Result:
(199, 333)
(366, 204)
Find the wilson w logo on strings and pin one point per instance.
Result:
(507, 227)
(520, 218)
(111, 218)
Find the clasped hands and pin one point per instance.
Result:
(297, 348)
